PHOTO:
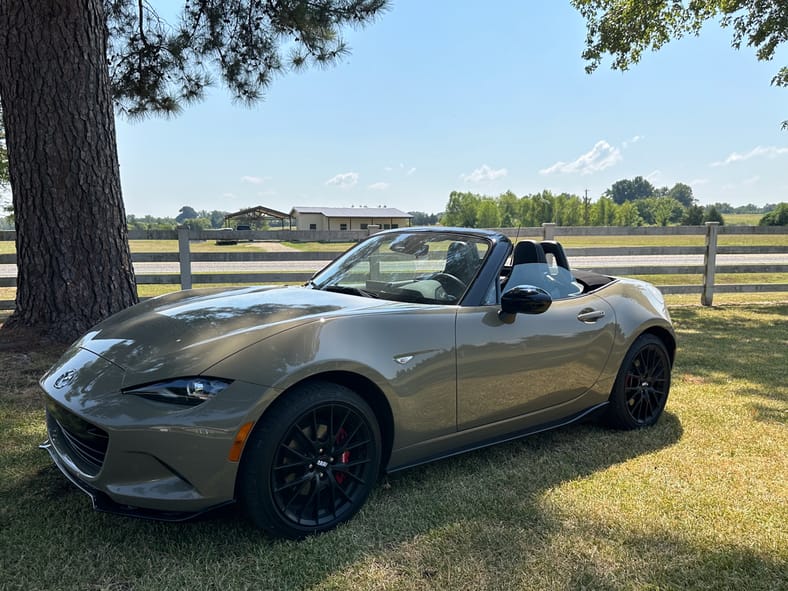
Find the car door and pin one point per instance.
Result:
(530, 363)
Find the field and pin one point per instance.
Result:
(699, 501)
(742, 219)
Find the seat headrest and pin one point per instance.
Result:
(528, 251)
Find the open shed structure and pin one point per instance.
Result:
(258, 217)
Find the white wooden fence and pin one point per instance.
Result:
(185, 278)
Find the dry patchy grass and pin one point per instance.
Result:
(697, 502)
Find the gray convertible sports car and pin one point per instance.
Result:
(414, 345)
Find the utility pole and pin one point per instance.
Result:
(585, 209)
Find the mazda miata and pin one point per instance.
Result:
(416, 344)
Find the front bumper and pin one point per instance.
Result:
(102, 501)
(140, 457)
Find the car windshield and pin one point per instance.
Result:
(421, 267)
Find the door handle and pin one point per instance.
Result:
(589, 315)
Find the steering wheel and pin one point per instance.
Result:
(450, 283)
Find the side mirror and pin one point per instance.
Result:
(525, 299)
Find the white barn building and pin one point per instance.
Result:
(349, 218)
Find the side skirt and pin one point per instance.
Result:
(502, 438)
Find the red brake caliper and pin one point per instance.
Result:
(344, 458)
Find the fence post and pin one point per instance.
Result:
(548, 231)
(184, 257)
(709, 263)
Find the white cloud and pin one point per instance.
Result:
(758, 151)
(653, 176)
(255, 180)
(400, 168)
(344, 180)
(483, 173)
(751, 181)
(600, 157)
(695, 182)
(379, 186)
(229, 196)
(633, 140)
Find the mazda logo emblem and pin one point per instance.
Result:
(65, 378)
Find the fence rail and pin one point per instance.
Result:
(616, 264)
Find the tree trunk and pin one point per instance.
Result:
(73, 260)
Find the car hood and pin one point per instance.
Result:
(183, 333)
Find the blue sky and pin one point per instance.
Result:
(447, 95)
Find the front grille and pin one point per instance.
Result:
(85, 444)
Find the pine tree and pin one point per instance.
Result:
(66, 65)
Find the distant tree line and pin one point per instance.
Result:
(187, 216)
(726, 208)
(425, 219)
(628, 202)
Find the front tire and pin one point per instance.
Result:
(641, 388)
(311, 461)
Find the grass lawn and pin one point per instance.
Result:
(699, 501)
(742, 219)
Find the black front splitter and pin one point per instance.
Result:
(102, 502)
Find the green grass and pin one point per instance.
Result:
(320, 246)
(697, 502)
(742, 219)
(677, 240)
(194, 246)
(719, 278)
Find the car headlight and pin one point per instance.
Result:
(188, 391)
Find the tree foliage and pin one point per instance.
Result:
(628, 202)
(693, 216)
(682, 193)
(625, 29)
(158, 66)
(777, 217)
(488, 215)
(630, 190)
(64, 66)
(712, 215)
(185, 213)
(421, 218)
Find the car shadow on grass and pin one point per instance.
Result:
(486, 519)
(490, 496)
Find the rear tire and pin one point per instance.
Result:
(641, 388)
(311, 462)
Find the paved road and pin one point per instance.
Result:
(578, 262)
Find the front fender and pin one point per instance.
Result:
(408, 353)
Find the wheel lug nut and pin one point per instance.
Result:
(311, 466)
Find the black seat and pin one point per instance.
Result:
(529, 266)
(462, 261)
(564, 284)
(528, 251)
(552, 247)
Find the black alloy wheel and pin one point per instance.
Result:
(642, 385)
(312, 462)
